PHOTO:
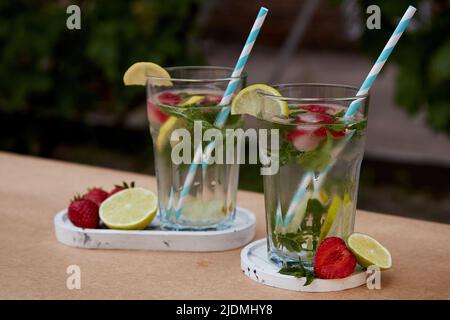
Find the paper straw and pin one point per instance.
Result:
(226, 99)
(352, 109)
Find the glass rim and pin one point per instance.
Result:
(200, 80)
(312, 84)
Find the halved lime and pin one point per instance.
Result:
(250, 100)
(137, 74)
(130, 209)
(369, 251)
(331, 216)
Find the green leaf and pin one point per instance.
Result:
(298, 271)
(191, 115)
(358, 126)
(291, 241)
(288, 153)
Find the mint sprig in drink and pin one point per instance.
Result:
(192, 99)
(313, 135)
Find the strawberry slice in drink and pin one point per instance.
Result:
(155, 114)
(214, 99)
(169, 99)
(316, 108)
(307, 138)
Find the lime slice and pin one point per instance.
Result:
(191, 100)
(251, 101)
(137, 74)
(331, 216)
(130, 209)
(369, 251)
(165, 131)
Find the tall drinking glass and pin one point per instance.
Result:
(179, 112)
(313, 194)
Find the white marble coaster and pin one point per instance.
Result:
(256, 265)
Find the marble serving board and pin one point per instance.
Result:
(241, 232)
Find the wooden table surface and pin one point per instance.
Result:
(33, 263)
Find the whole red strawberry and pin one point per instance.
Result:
(83, 213)
(96, 195)
(333, 260)
(118, 188)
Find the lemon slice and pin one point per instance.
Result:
(165, 131)
(331, 216)
(369, 251)
(130, 209)
(251, 101)
(137, 74)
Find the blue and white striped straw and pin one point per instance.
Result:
(352, 109)
(225, 101)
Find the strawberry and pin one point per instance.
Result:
(155, 114)
(96, 195)
(83, 213)
(215, 99)
(320, 109)
(307, 138)
(169, 98)
(118, 188)
(333, 260)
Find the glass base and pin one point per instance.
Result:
(179, 227)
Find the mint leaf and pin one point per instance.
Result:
(191, 115)
(361, 125)
(291, 241)
(298, 271)
(318, 159)
(288, 154)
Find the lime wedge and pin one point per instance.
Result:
(130, 209)
(137, 74)
(331, 216)
(165, 131)
(191, 100)
(251, 101)
(369, 251)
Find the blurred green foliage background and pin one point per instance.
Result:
(49, 70)
(423, 58)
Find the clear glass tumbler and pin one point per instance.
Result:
(313, 194)
(180, 111)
